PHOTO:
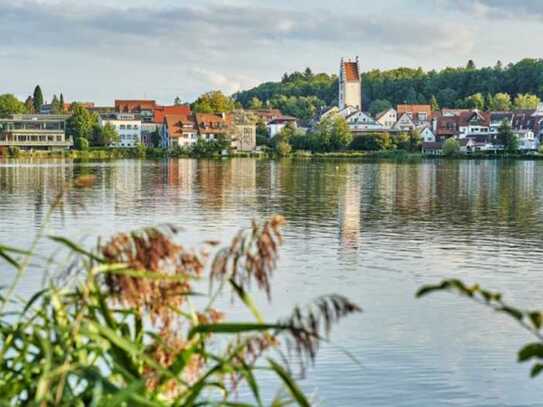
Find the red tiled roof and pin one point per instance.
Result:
(160, 111)
(351, 71)
(415, 109)
(213, 123)
(175, 121)
(134, 106)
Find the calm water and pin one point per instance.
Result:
(374, 232)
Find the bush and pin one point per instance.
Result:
(451, 147)
(81, 144)
(372, 142)
(14, 151)
(283, 149)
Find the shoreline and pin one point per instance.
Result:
(357, 156)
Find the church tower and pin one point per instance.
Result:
(350, 86)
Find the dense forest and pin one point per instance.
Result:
(303, 93)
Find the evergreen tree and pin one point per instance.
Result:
(434, 104)
(470, 65)
(62, 103)
(37, 99)
(506, 138)
(55, 105)
(177, 101)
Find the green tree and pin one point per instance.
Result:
(155, 138)
(526, 101)
(378, 106)
(29, 105)
(177, 101)
(56, 106)
(62, 109)
(476, 101)
(104, 136)
(81, 123)
(81, 144)
(9, 105)
(451, 147)
(332, 134)
(434, 104)
(256, 103)
(283, 149)
(507, 138)
(213, 102)
(372, 142)
(37, 99)
(502, 102)
(470, 65)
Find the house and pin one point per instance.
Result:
(350, 85)
(404, 123)
(266, 115)
(475, 124)
(427, 135)
(276, 125)
(143, 108)
(360, 122)
(128, 127)
(160, 111)
(178, 130)
(148, 131)
(212, 125)
(243, 136)
(34, 132)
(388, 118)
(445, 126)
(527, 141)
(419, 114)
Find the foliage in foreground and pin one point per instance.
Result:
(531, 320)
(129, 332)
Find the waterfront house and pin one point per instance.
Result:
(128, 127)
(34, 132)
(160, 111)
(142, 108)
(419, 114)
(212, 125)
(178, 130)
(360, 122)
(243, 135)
(404, 124)
(427, 135)
(388, 118)
(432, 148)
(279, 123)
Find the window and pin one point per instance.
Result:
(122, 126)
(129, 126)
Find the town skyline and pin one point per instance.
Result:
(163, 49)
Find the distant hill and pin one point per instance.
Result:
(302, 94)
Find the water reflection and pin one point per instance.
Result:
(373, 231)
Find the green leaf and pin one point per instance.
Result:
(34, 298)
(251, 381)
(247, 300)
(536, 370)
(515, 313)
(76, 248)
(428, 289)
(532, 350)
(233, 328)
(536, 319)
(296, 392)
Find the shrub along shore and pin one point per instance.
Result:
(158, 153)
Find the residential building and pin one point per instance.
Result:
(475, 124)
(432, 147)
(279, 123)
(267, 115)
(34, 132)
(350, 84)
(148, 131)
(427, 135)
(160, 111)
(405, 123)
(388, 118)
(128, 127)
(178, 130)
(212, 125)
(360, 122)
(419, 114)
(244, 132)
(144, 109)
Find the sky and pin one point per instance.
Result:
(99, 50)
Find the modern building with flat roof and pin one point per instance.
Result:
(34, 132)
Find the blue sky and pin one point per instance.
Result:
(98, 50)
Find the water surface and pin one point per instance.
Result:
(372, 231)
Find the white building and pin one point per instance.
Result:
(350, 86)
(388, 118)
(427, 135)
(276, 125)
(404, 123)
(128, 127)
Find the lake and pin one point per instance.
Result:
(374, 232)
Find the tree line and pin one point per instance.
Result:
(303, 94)
(10, 104)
